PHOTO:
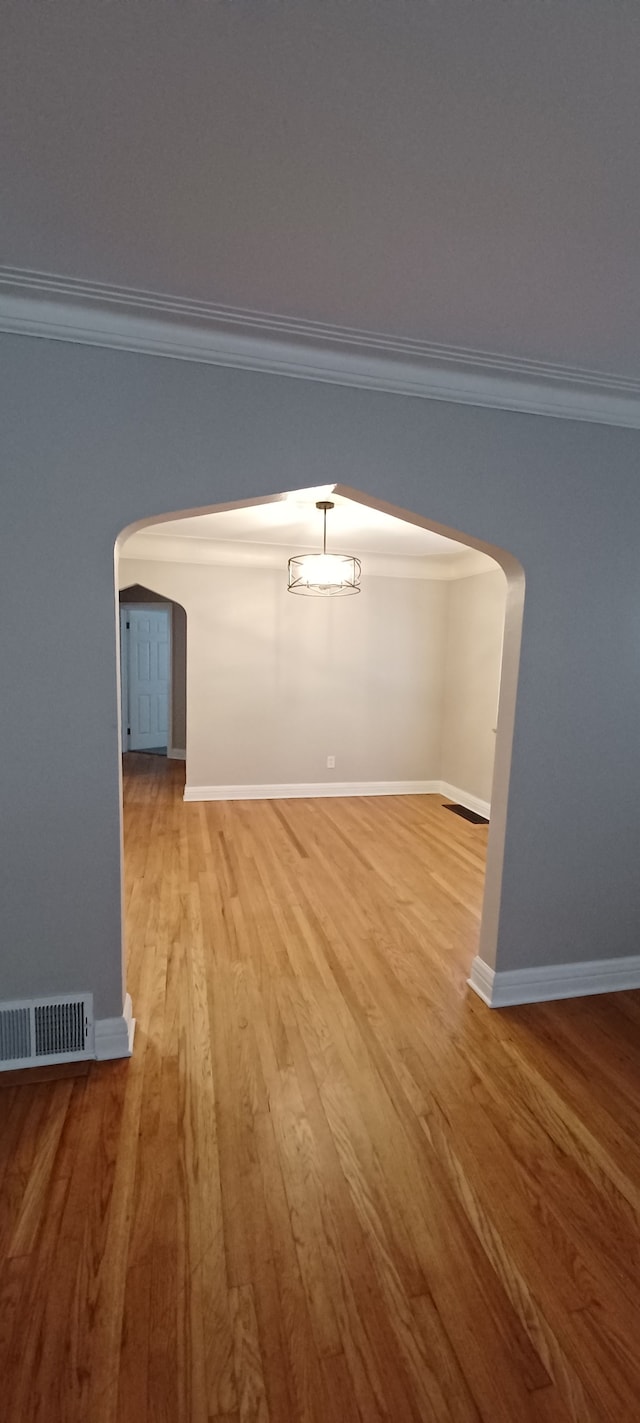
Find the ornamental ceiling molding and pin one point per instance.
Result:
(94, 314)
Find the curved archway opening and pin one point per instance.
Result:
(138, 599)
(153, 542)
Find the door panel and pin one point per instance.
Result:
(148, 635)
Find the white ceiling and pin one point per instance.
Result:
(265, 536)
(294, 522)
(449, 170)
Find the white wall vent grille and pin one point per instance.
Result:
(15, 1034)
(44, 1030)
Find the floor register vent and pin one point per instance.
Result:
(37, 1031)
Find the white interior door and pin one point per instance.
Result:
(148, 678)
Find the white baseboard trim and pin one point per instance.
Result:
(176, 753)
(310, 790)
(298, 790)
(541, 985)
(472, 802)
(482, 981)
(114, 1036)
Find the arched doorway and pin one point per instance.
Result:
(481, 971)
(137, 596)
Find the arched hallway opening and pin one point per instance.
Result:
(269, 701)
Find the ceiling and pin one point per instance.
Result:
(457, 172)
(294, 522)
(266, 535)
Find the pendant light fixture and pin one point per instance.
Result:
(324, 575)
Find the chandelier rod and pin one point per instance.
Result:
(325, 504)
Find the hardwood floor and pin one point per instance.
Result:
(330, 1185)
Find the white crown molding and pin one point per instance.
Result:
(509, 987)
(148, 547)
(92, 313)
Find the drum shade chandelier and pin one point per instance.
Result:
(324, 575)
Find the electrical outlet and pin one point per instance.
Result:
(331, 761)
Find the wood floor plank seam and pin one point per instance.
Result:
(330, 1186)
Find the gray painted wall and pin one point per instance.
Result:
(94, 440)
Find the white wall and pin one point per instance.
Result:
(399, 684)
(473, 653)
(277, 683)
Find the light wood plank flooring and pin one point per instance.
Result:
(330, 1186)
